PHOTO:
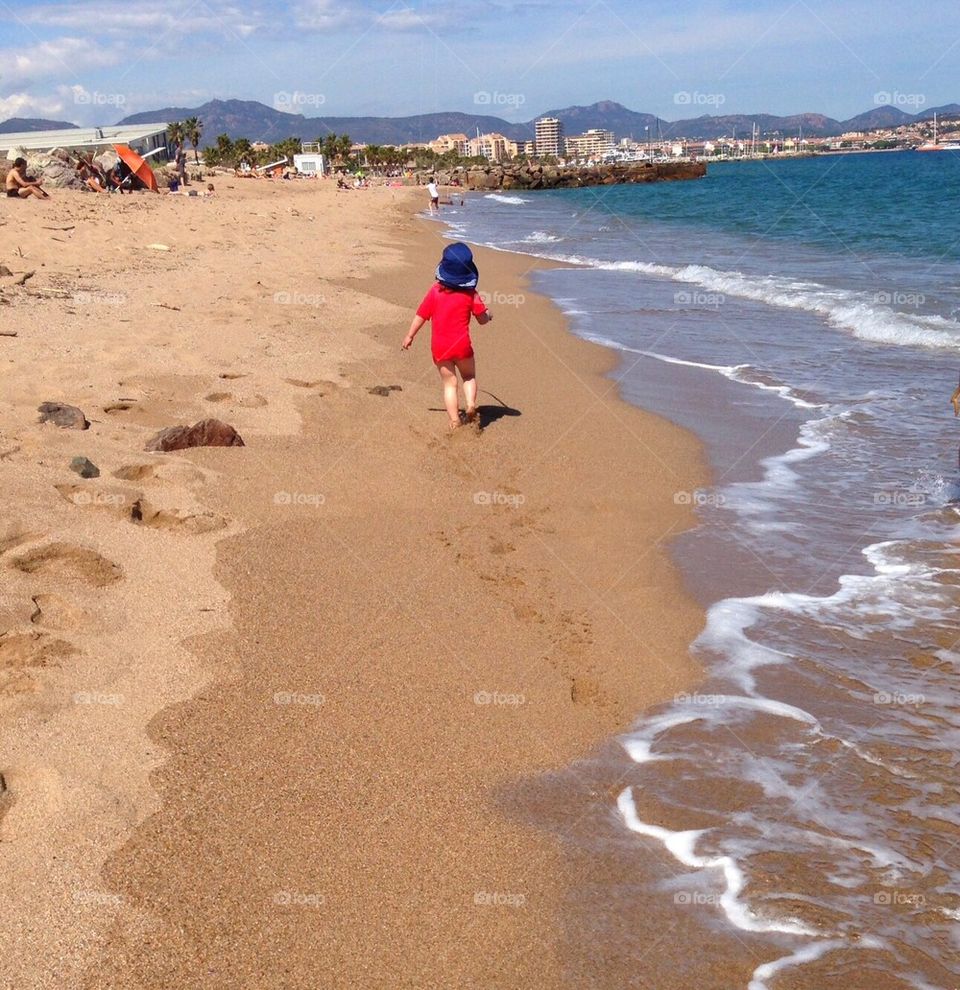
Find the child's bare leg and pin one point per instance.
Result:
(451, 400)
(468, 372)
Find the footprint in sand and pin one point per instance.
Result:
(69, 561)
(116, 407)
(135, 472)
(13, 534)
(218, 397)
(232, 375)
(53, 612)
(22, 652)
(145, 514)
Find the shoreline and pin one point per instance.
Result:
(410, 614)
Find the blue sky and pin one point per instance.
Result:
(95, 61)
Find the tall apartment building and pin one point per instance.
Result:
(549, 137)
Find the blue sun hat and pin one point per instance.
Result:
(457, 269)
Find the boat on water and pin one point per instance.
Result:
(935, 144)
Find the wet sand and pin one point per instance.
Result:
(399, 626)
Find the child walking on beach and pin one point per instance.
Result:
(449, 304)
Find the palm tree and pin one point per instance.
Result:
(192, 132)
(175, 133)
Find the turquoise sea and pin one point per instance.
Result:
(799, 811)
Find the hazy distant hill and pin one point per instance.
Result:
(248, 118)
(17, 124)
(949, 110)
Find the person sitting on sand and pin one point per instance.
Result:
(449, 304)
(91, 176)
(19, 186)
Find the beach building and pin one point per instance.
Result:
(549, 136)
(593, 144)
(451, 142)
(309, 163)
(143, 138)
(494, 147)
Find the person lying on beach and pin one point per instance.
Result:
(449, 304)
(19, 186)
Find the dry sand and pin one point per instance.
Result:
(263, 737)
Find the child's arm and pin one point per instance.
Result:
(415, 324)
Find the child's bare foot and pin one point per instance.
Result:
(455, 424)
(472, 415)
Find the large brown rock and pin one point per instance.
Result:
(206, 433)
(62, 415)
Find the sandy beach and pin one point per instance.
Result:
(279, 715)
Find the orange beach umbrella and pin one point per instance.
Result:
(137, 165)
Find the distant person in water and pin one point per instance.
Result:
(434, 193)
(19, 186)
(449, 304)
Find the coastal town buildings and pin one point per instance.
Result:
(451, 142)
(593, 144)
(494, 147)
(549, 137)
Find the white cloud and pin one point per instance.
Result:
(27, 105)
(59, 57)
(113, 17)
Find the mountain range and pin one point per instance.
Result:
(259, 122)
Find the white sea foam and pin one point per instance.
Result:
(541, 237)
(511, 200)
(740, 373)
(682, 846)
(807, 954)
(850, 311)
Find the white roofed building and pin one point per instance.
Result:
(141, 137)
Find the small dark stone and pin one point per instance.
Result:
(379, 390)
(395, 388)
(84, 467)
(62, 415)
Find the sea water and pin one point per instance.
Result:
(802, 318)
